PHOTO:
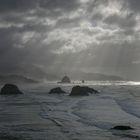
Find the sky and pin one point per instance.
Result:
(65, 36)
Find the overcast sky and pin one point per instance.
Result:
(70, 35)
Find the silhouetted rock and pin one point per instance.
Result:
(5, 136)
(82, 91)
(10, 89)
(83, 81)
(57, 90)
(122, 127)
(65, 79)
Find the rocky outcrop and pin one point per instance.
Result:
(57, 90)
(10, 89)
(65, 79)
(82, 91)
(122, 127)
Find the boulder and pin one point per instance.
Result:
(10, 89)
(57, 90)
(82, 91)
(122, 127)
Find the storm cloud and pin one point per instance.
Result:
(77, 35)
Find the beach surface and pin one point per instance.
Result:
(37, 115)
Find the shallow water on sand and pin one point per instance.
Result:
(37, 115)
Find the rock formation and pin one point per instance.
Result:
(65, 79)
(83, 81)
(10, 89)
(82, 91)
(122, 127)
(57, 90)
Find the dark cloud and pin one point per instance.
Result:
(93, 5)
(133, 5)
(125, 22)
(59, 5)
(17, 5)
(93, 35)
(24, 5)
(68, 23)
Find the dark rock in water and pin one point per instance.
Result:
(5, 136)
(65, 79)
(83, 81)
(122, 127)
(57, 90)
(10, 89)
(82, 91)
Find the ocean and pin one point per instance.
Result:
(37, 115)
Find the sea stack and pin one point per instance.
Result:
(82, 91)
(83, 81)
(65, 79)
(10, 89)
(57, 90)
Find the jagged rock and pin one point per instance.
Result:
(122, 127)
(65, 79)
(82, 91)
(57, 90)
(10, 89)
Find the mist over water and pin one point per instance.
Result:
(99, 83)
